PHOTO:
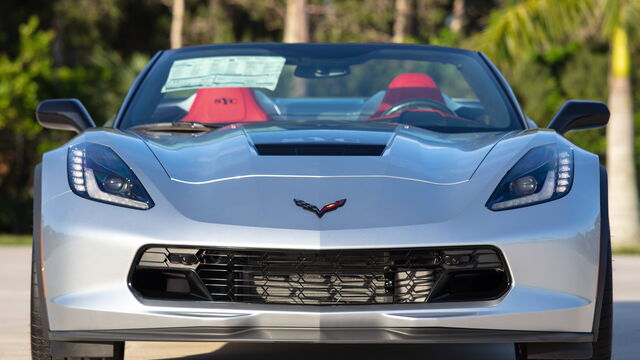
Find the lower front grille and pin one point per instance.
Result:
(318, 277)
(327, 277)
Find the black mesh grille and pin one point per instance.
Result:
(330, 277)
(317, 277)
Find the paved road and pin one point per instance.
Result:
(14, 328)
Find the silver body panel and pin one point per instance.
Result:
(552, 249)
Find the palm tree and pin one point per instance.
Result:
(177, 18)
(402, 23)
(458, 16)
(296, 30)
(531, 26)
(296, 24)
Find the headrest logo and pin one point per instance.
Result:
(225, 101)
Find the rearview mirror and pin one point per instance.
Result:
(318, 72)
(580, 114)
(64, 114)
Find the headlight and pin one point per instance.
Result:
(544, 173)
(96, 172)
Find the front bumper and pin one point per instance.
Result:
(324, 335)
(88, 249)
(86, 271)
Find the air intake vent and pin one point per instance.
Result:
(319, 150)
(321, 277)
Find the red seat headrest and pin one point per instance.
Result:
(225, 105)
(409, 86)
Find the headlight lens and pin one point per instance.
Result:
(96, 172)
(544, 173)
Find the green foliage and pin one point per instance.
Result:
(101, 83)
(530, 27)
(83, 27)
(8, 239)
(445, 37)
(29, 77)
(544, 83)
(626, 250)
(562, 44)
(20, 78)
(360, 21)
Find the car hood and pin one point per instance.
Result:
(405, 152)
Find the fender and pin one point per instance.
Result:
(58, 348)
(582, 350)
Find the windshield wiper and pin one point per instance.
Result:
(186, 126)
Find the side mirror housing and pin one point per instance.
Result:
(578, 115)
(64, 114)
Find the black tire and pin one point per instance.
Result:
(40, 346)
(40, 349)
(602, 346)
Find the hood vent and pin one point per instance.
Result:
(319, 149)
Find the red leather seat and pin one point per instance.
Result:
(409, 86)
(225, 105)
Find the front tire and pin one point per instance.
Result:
(602, 346)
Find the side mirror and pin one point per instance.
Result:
(580, 114)
(64, 114)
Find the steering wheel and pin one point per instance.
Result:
(413, 104)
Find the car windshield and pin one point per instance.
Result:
(434, 88)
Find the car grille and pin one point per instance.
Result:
(327, 277)
(305, 277)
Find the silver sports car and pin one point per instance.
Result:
(321, 193)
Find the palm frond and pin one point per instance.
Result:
(624, 13)
(534, 26)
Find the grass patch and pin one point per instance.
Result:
(628, 250)
(10, 239)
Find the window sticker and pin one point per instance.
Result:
(224, 71)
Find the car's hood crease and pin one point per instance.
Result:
(410, 153)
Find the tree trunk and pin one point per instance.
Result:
(623, 194)
(459, 16)
(296, 30)
(296, 24)
(57, 48)
(177, 17)
(402, 23)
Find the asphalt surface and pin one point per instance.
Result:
(14, 328)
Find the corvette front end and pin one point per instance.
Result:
(381, 230)
(549, 265)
